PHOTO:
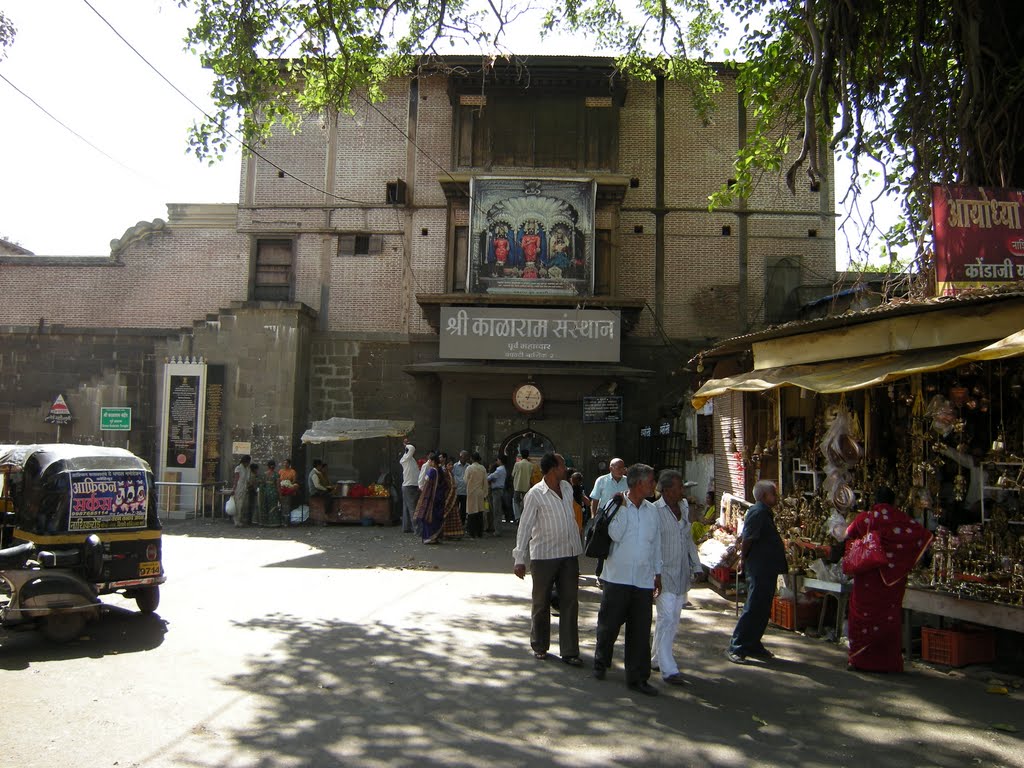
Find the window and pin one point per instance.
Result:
(781, 289)
(603, 262)
(460, 264)
(272, 272)
(705, 434)
(360, 244)
(554, 130)
(662, 447)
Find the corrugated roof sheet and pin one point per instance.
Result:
(894, 308)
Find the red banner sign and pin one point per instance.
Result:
(979, 240)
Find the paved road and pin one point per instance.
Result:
(359, 647)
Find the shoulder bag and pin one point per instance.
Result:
(597, 542)
(864, 554)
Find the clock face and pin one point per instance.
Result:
(527, 398)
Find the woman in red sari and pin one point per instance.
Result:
(876, 604)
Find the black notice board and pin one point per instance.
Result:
(183, 421)
(602, 410)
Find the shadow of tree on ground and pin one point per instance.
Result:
(470, 695)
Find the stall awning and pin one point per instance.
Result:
(846, 375)
(339, 429)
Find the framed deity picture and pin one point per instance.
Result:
(531, 236)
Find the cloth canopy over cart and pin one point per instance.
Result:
(340, 507)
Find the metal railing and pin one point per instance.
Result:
(173, 500)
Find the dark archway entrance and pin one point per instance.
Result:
(535, 442)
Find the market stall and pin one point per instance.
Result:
(353, 502)
(941, 424)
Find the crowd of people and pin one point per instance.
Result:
(263, 496)
(448, 497)
(653, 559)
(651, 563)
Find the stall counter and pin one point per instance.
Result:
(350, 509)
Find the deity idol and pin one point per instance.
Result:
(531, 244)
(499, 250)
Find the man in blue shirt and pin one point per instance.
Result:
(459, 473)
(632, 580)
(606, 486)
(496, 481)
(763, 558)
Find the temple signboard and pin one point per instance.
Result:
(588, 335)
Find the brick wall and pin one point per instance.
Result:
(163, 276)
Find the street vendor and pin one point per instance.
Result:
(701, 522)
(318, 480)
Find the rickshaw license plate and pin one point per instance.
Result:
(149, 569)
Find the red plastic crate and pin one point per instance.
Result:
(957, 647)
(723, 574)
(807, 613)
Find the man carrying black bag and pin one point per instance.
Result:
(632, 580)
(596, 541)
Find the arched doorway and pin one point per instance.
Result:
(535, 442)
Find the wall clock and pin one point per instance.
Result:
(527, 398)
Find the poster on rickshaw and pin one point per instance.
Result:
(108, 499)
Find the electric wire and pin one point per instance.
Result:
(257, 153)
(242, 142)
(665, 337)
(75, 133)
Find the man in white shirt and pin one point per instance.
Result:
(410, 485)
(549, 535)
(631, 580)
(430, 462)
(680, 562)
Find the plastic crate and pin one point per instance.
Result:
(957, 647)
(807, 613)
(723, 574)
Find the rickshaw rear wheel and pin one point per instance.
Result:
(148, 599)
(62, 627)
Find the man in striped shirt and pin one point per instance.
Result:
(549, 536)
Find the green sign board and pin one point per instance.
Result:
(116, 419)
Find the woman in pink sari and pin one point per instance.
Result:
(876, 604)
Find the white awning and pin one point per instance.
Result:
(339, 429)
(847, 375)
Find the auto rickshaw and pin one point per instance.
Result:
(84, 521)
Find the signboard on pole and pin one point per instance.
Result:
(59, 412)
(116, 419)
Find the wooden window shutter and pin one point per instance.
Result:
(376, 245)
(346, 245)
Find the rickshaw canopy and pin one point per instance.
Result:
(73, 457)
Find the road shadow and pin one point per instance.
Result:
(117, 631)
(467, 692)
